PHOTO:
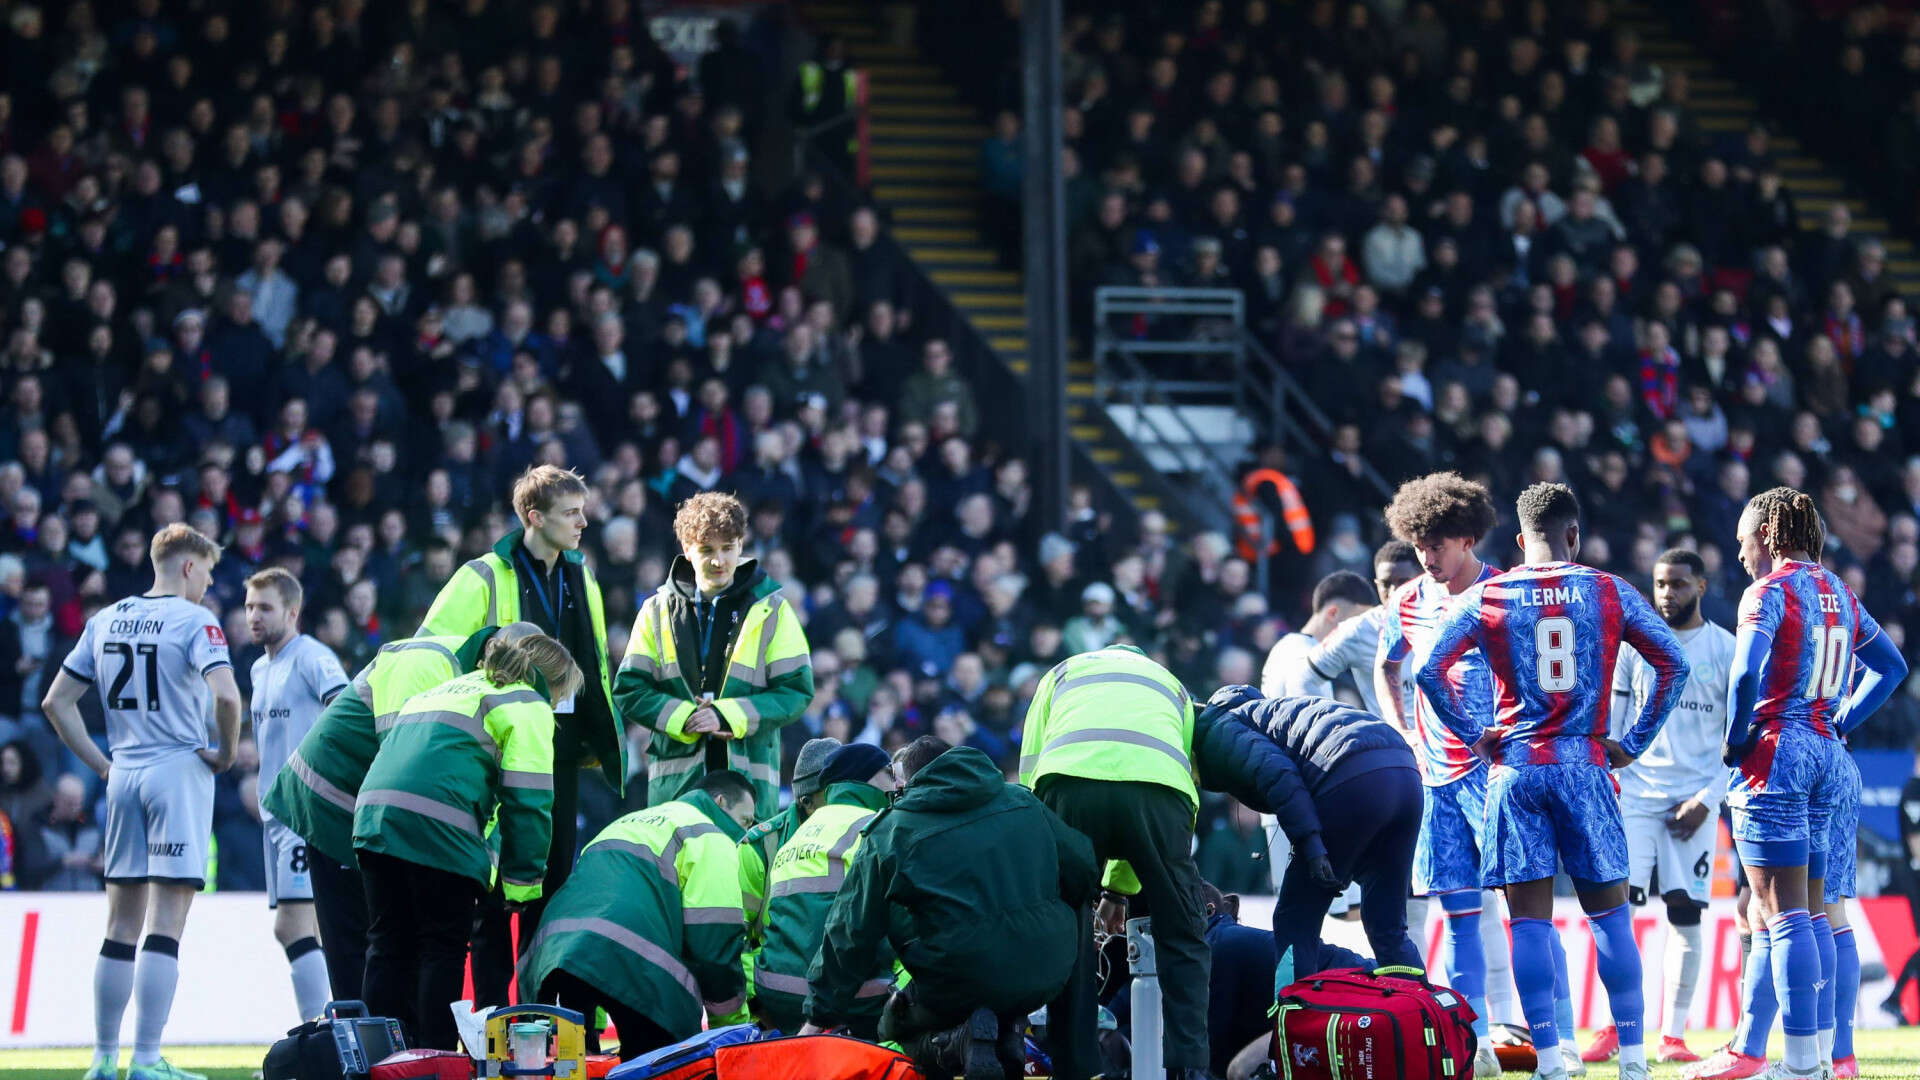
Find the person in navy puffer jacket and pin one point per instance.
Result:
(1345, 787)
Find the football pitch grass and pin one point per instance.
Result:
(1885, 1054)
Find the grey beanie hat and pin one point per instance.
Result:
(806, 768)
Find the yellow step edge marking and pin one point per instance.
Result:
(936, 256)
(883, 92)
(999, 322)
(897, 129)
(916, 171)
(936, 214)
(884, 150)
(898, 192)
(885, 110)
(1004, 278)
(928, 234)
(999, 298)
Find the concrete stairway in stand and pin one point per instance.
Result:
(926, 173)
(1722, 109)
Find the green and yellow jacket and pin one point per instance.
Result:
(453, 759)
(486, 592)
(806, 875)
(652, 917)
(314, 794)
(976, 885)
(755, 664)
(757, 849)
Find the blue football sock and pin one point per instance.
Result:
(1758, 1007)
(1846, 990)
(1534, 973)
(1823, 940)
(1796, 981)
(1796, 971)
(1466, 956)
(1619, 968)
(1563, 995)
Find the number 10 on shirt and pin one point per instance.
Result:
(1832, 659)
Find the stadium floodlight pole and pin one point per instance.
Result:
(1043, 225)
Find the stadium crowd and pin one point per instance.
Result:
(319, 284)
(1496, 238)
(308, 279)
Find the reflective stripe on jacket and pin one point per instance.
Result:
(314, 794)
(452, 760)
(768, 683)
(1113, 715)
(651, 916)
(806, 876)
(486, 592)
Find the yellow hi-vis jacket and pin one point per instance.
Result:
(1112, 714)
(766, 685)
(486, 592)
(651, 916)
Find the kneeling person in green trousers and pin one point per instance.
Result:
(649, 926)
(807, 874)
(979, 888)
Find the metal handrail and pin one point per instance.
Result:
(1216, 479)
(1289, 391)
(1143, 391)
(1259, 383)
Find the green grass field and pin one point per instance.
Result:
(1884, 1055)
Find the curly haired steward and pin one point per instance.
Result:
(1440, 506)
(710, 517)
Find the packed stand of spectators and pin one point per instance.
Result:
(321, 280)
(1494, 238)
(1844, 74)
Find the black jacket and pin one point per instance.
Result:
(1277, 754)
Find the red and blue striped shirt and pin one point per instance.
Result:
(1415, 614)
(1550, 633)
(1816, 624)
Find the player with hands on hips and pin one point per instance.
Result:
(1800, 636)
(1550, 631)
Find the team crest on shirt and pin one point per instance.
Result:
(1304, 1055)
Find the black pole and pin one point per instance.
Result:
(1043, 223)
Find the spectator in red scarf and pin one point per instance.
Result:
(716, 419)
(821, 272)
(756, 299)
(1610, 161)
(1336, 274)
(1659, 373)
(1840, 323)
